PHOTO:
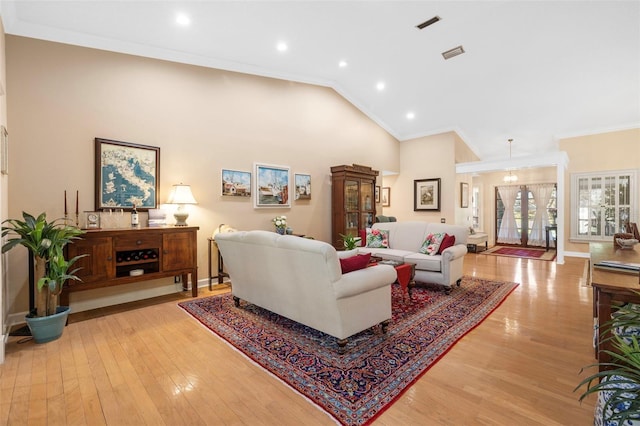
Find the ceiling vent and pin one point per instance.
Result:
(453, 52)
(425, 24)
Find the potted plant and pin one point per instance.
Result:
(618, 385)
(350, 242)
(45, 242)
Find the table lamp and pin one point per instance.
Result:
(181, 195)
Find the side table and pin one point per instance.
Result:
(473, 240)
(221, 274)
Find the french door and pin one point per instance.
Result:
(523, 211)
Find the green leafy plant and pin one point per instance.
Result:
(623, 372)
(350, 242)
(45, 241)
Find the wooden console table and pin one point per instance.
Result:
(610, 287)
(150, 252)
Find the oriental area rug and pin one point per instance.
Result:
(525, 253)
(357, 386)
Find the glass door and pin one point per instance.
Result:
(352, 207)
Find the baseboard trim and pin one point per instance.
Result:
(577, 254)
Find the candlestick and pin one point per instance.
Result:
(77, 211)
(65, 202)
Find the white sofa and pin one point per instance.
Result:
(301, 279)
(405, 240)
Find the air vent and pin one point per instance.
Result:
(425, 24)
(453, 52)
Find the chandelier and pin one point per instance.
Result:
(510, 178)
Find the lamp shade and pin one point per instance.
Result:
(181, 194)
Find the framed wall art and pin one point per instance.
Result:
(386, 196)
(426, 195)
(303, 186)
(272, 185)
(126, 174)
(236, 183)
(377, 195)
(464, 194)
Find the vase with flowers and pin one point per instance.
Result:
(280, 222)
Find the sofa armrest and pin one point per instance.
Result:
(454, 252)
(363, 280)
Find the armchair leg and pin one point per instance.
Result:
(458, 282)
(236, 301)
(385, 325)
(342, 345)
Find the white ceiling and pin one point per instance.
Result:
(533, 71)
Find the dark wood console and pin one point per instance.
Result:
(114, 253)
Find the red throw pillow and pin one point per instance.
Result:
(355, 262)
(363, 237)
(447, 241)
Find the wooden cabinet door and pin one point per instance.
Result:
(98, 265)
(178, 250)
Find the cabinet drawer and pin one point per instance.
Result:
(133, 242)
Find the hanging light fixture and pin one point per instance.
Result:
(510, 178)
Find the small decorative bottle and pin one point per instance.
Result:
(134, 217)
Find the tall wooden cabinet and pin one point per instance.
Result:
(353, 200)
(149, 252)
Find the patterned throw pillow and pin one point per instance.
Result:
(432, 243)
(377, 238)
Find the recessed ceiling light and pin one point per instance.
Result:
(380, 86)
(431, 21)
(410, 115)
(183, 19)
(342, 64)
(282, 46)
(459, 50)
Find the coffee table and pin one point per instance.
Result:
(406, 274)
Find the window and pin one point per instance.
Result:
(475, 207)
(601, 204)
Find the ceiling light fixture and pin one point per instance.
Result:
(380, 86)
(453, 52)
(410, 115)
(431, 21)
(183, 19)
(282, 47)
(342, 64)
(510, 178)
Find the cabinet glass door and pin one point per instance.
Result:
(351, 195)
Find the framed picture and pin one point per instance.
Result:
(464, 194)
(4, 151)
(271, 186)
(386, 196)
(235, 183)
(377, 195)
(303, 187)
(126, 174)
(426, 195)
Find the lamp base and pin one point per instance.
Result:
(181, 217)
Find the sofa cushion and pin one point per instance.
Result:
(354, 263)
(363, 237)
(377, 238)
(425, 262)
(447, 241)
(432, 243)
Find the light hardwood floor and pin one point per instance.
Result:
(156, 365)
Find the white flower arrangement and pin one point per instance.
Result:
(280, 222)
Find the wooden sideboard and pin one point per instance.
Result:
(114, 253)
(610, 287)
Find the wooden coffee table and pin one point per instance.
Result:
(406, 274)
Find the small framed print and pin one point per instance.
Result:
(386, 196)
(377, 197)
(236, 183)
(426, 195)
(303, 186)
(272, 185)
(464, 194)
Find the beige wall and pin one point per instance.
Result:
(4, 293)
(61, 97)
(602, 152)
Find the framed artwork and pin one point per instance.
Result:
(303, 187)
(126, 174)
(426, 195)
(386, 196)
(464, 194)
(236, 183)
(4, 151)
(377, 195)
(271, 186)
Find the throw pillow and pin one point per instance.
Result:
(354, 263)
(447, 241)
(363, 237)
(377, 238)
(432, 244)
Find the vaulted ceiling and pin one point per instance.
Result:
(533, 71)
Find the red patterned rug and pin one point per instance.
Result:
(525, 253)
(357, 386)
